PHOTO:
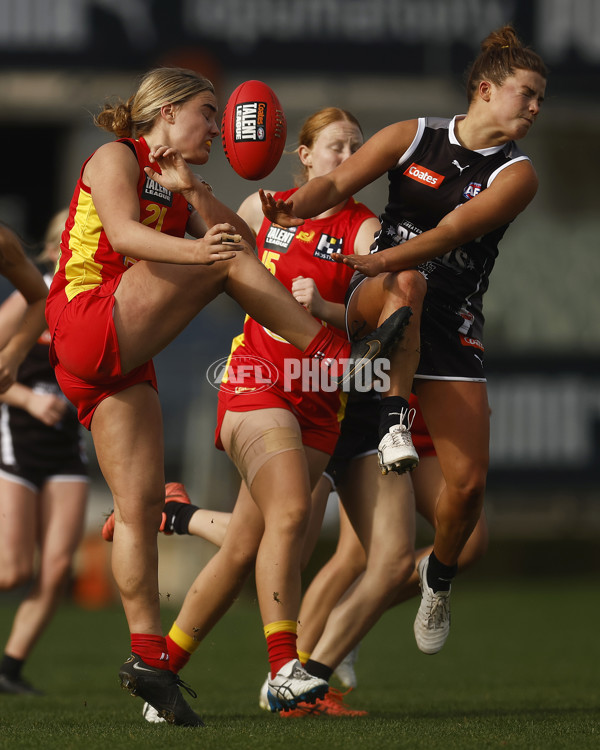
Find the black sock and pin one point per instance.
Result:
(439, 576)
(389, 412)
(316, 669)
(10, 667)
(179, 516)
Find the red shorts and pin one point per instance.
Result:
(319, 434)
(419, 432)
(85, 352)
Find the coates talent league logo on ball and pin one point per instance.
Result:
(242, 374)
(250, 120)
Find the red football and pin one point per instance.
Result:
(253, 130)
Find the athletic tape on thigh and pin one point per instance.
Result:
(251, 438)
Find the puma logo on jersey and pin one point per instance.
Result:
(457, 165)
(424, 176)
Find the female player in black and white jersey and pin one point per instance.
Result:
(454, 187)
(43, 486)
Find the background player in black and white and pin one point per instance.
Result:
(43, 487)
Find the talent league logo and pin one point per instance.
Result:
(152, 191)
(250, 118)
(279, 238)
(424, 176)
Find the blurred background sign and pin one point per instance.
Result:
(545, 424)
(419, 37)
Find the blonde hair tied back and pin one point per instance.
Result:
(160, 86)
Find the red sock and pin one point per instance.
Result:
(328, 347)
(152, 649)
(282, 648)
(178, 657)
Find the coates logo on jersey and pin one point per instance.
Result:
(424, 176)
(468, 341)
(327, 245)
(250, 121)
(472, 189)
(242, 374)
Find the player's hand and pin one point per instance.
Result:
(174, 172)
(221, 242)
(305, 291)
(49, 408)
(369, 265)
(278, 211)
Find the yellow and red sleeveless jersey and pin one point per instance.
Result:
(306, 251)
(299, 251)
(87, 259)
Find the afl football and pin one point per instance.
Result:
(253, 130)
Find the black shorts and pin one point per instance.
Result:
(447, 352)
(451, 345)
(359, 434)
(32, 453)
(35, 479)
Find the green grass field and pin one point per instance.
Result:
(520, 670)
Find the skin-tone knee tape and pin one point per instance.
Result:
(250, 443)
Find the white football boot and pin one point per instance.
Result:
(432, 623)
(396, 451)
(345, 671)
(263, 696)
(292, 684)
(151, 714)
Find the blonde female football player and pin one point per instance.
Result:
(127, 283)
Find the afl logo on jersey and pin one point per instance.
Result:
(472, 189)
(424, 176)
